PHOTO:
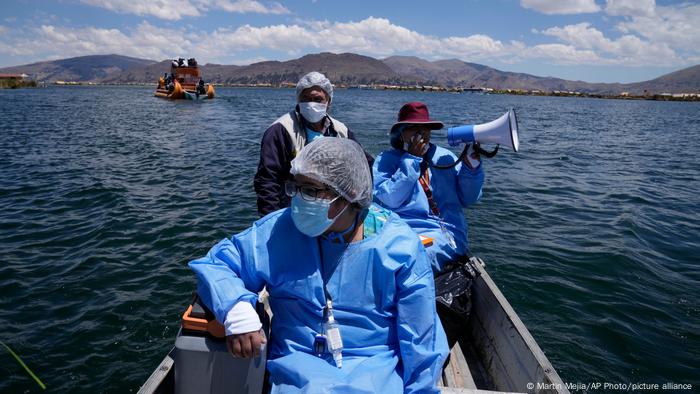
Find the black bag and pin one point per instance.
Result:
(453, 288)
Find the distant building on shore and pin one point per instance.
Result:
(13, 81)
(13, 77)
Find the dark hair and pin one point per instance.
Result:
(395, 137)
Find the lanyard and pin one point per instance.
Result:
(325, 278)
(338, 236)
(424, 181)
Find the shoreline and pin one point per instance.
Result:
(425, 88)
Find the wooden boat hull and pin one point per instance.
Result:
(498, 355)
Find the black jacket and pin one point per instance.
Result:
(276, 154)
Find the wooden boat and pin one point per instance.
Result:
(498, 355)
(185, 84)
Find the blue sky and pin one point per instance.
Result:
(590, 40)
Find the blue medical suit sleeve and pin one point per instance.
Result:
(394, 180)
(469, 184)
(226, 276)
(422, 340)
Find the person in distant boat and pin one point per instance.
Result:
(349, 283)
(287, 135)
(169, 85)
(200, 87)
(431, 200)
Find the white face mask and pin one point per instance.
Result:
(313, 112)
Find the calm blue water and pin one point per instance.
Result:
(592, 231)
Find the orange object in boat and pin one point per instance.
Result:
(210, 91)
(426, 241)
(211, 327)
(178, 91)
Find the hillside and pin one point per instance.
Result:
(83, 68)
(686, 80)
(458, 73)
(346, 69)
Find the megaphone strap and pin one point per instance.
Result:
(463, 155)
(451, 165)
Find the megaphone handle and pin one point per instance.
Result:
(473, 163)
(486, 153)
(451, 165)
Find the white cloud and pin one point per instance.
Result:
(164, 9)
(630, 7)
(372, 36)
(247, 6)
(575, 44)
(675, 26)
(552, 7)
(562, 54)
(146, 41)
(178, 9)
(627, 50)
(580, 35)
(277, 37)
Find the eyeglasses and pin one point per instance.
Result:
(308, 193)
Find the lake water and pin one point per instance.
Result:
(592, 231)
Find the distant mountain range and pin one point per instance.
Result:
(346, 69)
(79, 69)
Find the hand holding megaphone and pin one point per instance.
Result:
(473, 156)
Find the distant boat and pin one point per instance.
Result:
(184, 82)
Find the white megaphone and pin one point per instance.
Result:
(502, 131)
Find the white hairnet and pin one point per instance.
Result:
(315, 78)
(339, 163)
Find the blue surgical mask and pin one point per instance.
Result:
(311, 217)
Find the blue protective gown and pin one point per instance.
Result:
(383, 299)
(396, 187)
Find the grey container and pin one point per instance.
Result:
(204, 365)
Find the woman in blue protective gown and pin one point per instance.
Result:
(350, 287)
(429, 199)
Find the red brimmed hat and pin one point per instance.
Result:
(416, 113)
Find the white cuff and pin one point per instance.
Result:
(241, 319)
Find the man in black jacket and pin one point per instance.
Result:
(289, 134)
